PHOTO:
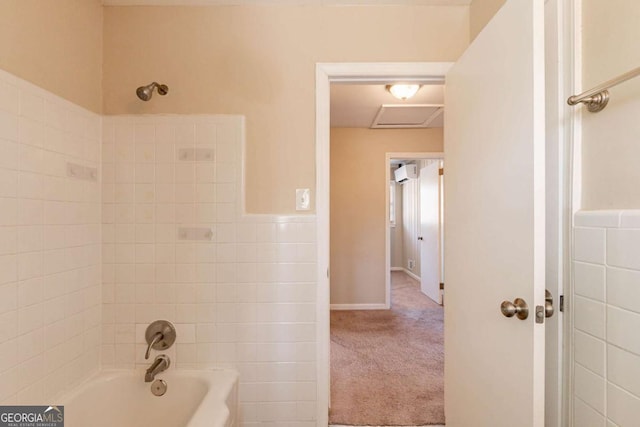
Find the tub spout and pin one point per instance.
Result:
(161, 363)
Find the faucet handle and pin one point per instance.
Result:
(160, 335)
(156, 338)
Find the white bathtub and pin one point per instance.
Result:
(205, 398)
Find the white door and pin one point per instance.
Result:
(429, 236)
(494, 223)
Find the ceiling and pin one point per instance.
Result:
(289, 2)
(372, 106)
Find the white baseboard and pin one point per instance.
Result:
(406, 271)
(358, 307)
(411, 274)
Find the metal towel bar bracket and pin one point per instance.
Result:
(597, 98)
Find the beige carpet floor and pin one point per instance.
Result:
(387, 366)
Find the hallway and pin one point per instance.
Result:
(387, 365)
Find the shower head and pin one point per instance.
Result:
(145, 92)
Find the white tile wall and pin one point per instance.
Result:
(50, 302)
(246, 299)
(606, 316)
(73, 290)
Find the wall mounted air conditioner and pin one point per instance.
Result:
(406, 172)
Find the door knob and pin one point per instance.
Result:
(516, 308)
(420, 238)
(548, 304)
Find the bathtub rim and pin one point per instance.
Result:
(221, 385)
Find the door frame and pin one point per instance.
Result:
(435, 155)
(569, 176)
(569, 39)
(327, 73)
(566, 75)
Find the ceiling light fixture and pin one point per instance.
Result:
(402, 90)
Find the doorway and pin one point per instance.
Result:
(380, 73)
(327, 73)
(387, 360)
(415, 241)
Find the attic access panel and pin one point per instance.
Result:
(396, 116)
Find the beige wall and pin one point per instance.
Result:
(56, 45)
(610, 138)
(480, 13)
(358, 208)
(259, 61)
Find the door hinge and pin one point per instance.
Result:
(441, 171)
(561, 303)
(441, 285)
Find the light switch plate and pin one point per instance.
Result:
(303, 199)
